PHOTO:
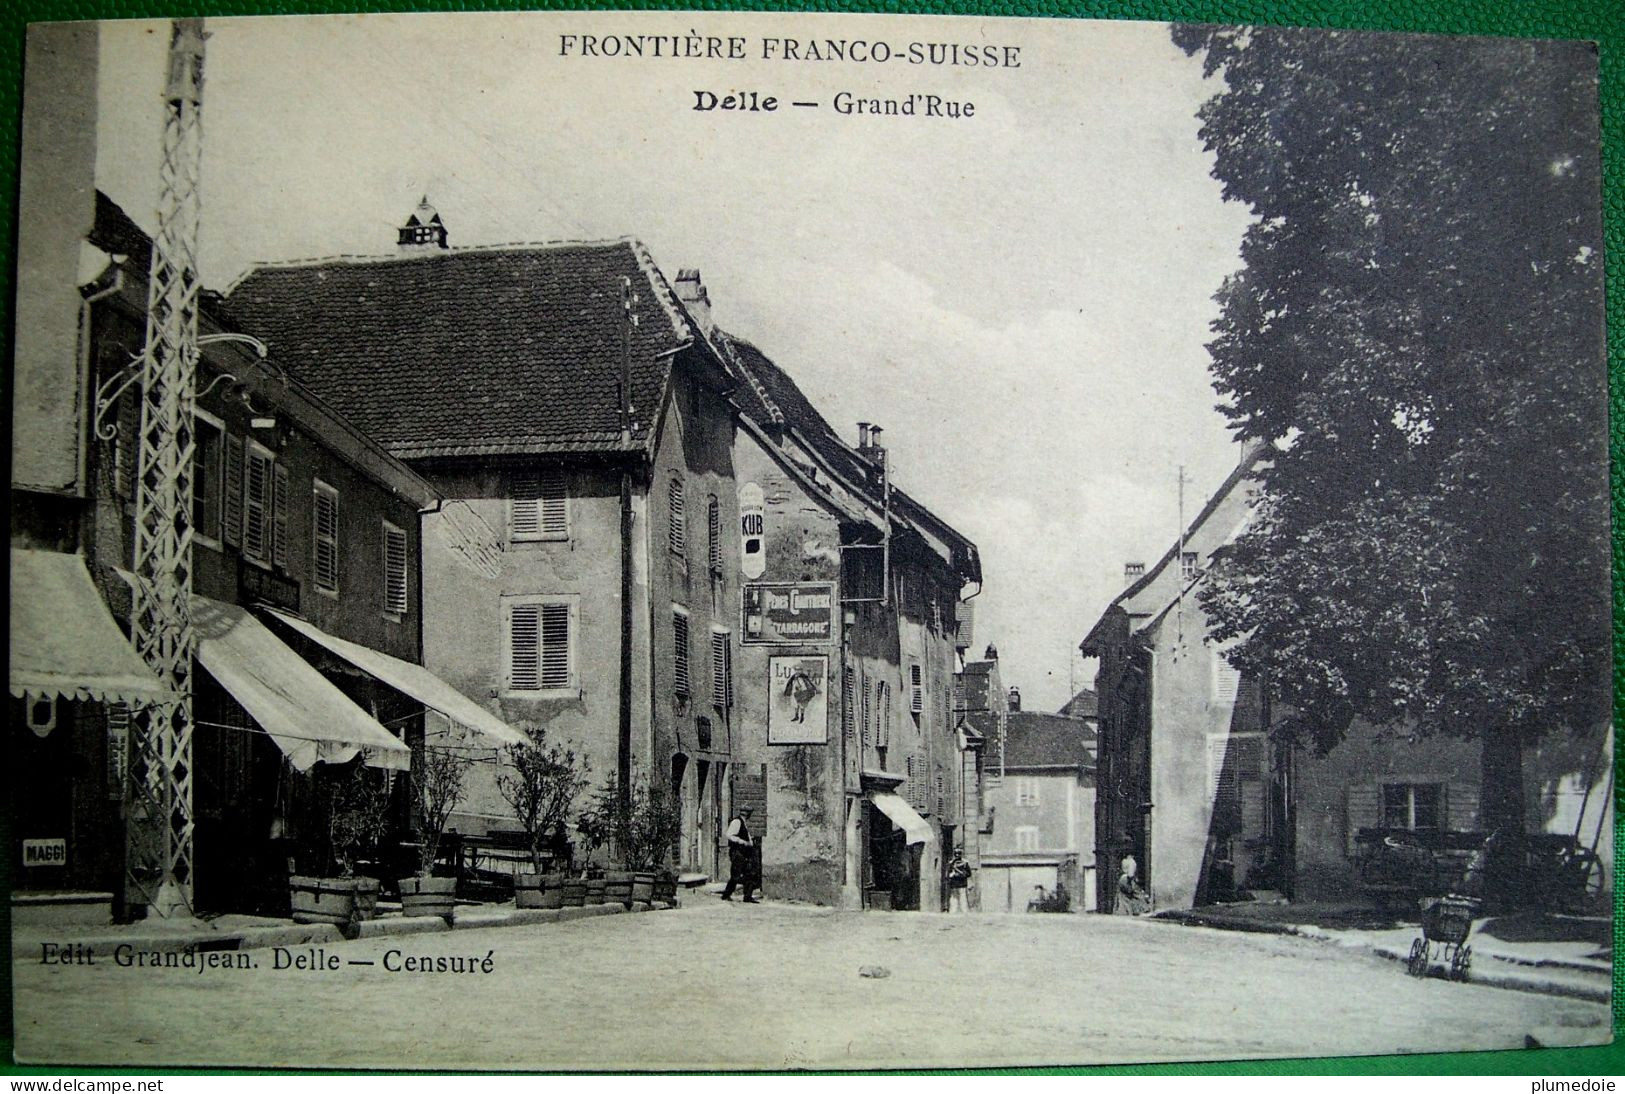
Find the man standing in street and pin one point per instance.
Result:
(741, 856)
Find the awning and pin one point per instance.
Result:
(413, 680)
(63, 639)
(915, 827)
(309, 718)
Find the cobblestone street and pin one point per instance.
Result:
(715, 985)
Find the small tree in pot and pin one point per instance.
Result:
(642, 826)
(438, 778)
(357, 806)
(540, 782)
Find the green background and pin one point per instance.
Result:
(1602, 21)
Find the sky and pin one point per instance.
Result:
(1020, 298)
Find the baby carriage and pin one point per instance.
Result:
(1446, 923)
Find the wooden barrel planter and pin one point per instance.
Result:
(643, 886)
(666, 887)
(575, 892)
(538, 890)
(366, 896)
(618, 887)
(429, 896)
(595, 890)
(324, 900)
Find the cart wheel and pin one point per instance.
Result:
(1417, 965)
(1460, 962)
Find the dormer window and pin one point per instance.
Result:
(422, 229)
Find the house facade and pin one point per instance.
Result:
(1041, 794)
(1199, 778)
(580, 580)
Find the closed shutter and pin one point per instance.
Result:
(679, 627)
(721, 671)
(1226, 680)
(324, 504)
(555, 657)
(394, 570)
(233, 531)
(713, 522)
(1363, 810)
(279, 521)
(937, 778)
(539, 647)
(677, 531)
(848, 715)
(916, 690)
(863, 718)
(257, 507)
(911, 783)
(882, 716)
(541, 505)
(525, 647)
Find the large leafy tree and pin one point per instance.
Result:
(1416, 329)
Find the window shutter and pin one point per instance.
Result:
(863, 710)
(679, 624)
(1226, 680)
(909, 777)
(848, 715)
(916, 690)
(713, 521)
(540, 505)
(279, 522)
(1363, 809)
(555, 645)
(233, 532)
(937, 777)
(882, 717)
(257, 507)
(394, 570)
(720, 684)
(524, 647)
(324, 505)
(677, 533)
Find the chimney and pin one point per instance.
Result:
(869, 443)
(423, 230)
(1133, 571)
(691, 291)
(1014, 697)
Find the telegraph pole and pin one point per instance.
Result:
(158, 863)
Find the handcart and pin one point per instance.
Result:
(1446, 923)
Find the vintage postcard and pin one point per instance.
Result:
(590, 541)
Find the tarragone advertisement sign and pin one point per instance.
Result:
(789, 613)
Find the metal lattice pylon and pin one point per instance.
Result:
(159, 852)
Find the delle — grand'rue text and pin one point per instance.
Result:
(914, 105)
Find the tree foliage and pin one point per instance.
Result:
(1417, 330)
(438, 778)
(642, 825)
(541, 783)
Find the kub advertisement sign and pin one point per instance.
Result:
(752, 531)
(798, 700)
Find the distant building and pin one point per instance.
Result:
(1043, 803)
(1197, 778)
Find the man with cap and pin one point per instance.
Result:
(741, 855)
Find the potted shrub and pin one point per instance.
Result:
(540, 782)
(356, 802)
(438, 777)
(643, 826)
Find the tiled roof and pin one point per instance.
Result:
(784, 401)
(474, 351)
(1085, 704)
(115, 233)
(1035, 739)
